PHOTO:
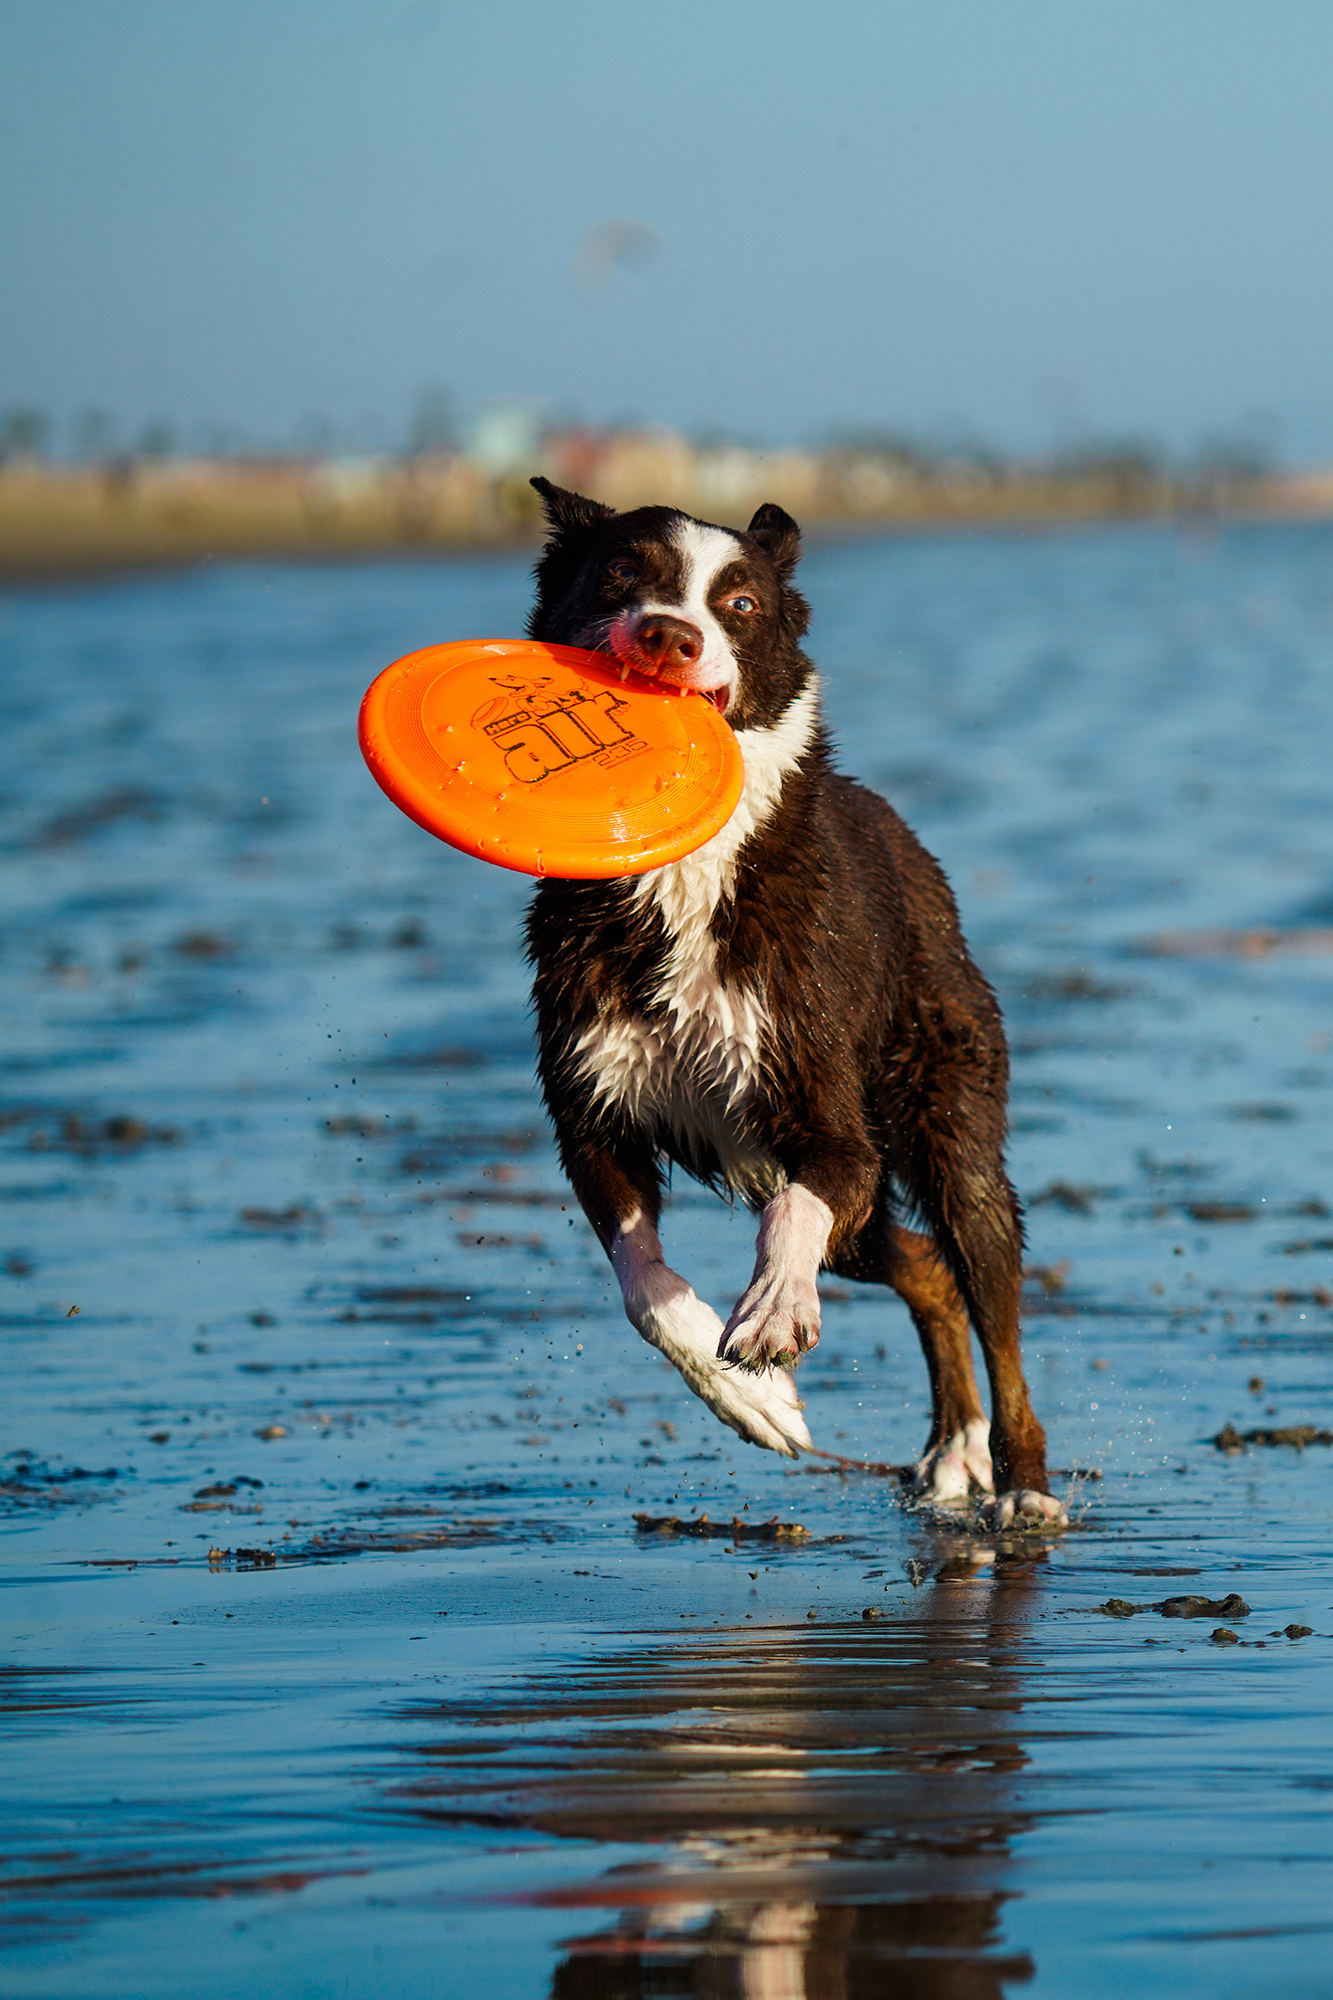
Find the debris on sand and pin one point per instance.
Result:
(26, 1481)
(204, 944)
(734, 1530)
(1075, 984)
(336, 1542)
(1051, 1278)
(1257, 943)
(1231, 1441)
(122, 1133)
(1078, 1200)
(93, 815)
(1231, 1606)
(287, 1220)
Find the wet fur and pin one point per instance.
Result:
(790, 1014)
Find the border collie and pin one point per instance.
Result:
(789, 1013)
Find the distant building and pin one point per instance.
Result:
(504, 439)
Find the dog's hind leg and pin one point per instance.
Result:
(957, 1457)
(620, 1196)
(948, 1126)
(974, 1215)
(956, 1460)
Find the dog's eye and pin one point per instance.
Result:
(623, 570)
(741, 604)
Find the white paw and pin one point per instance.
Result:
(777, 1317)
(775, 1322)
(958, 1467)
(764, 1409)
(1023, 1508)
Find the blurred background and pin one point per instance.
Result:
(341, 274)
(351, 1631)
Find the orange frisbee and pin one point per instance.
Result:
(542, 759)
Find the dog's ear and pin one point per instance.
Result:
(568, 512)
(778, 536)
(570, 518)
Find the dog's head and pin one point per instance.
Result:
(675, 599)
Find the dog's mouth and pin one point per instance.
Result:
(720, 697)
(631, 661)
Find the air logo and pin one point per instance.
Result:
(552, 731)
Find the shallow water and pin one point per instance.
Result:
(347, 1376)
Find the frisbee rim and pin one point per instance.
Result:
(445, 816)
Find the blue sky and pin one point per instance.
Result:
(1021, 219)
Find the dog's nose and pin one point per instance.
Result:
(663, 641)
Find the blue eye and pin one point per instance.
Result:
(741, 604)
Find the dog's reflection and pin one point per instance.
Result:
(926, 1948)
(831, 1807)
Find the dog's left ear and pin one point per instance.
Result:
(568, 512)
(778, 536)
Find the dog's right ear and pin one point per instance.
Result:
(778, 536)
(567, 512)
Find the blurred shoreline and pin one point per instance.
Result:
(145, 512)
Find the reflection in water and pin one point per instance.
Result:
(832, 1808)
(269, 1121)
(926, 1948)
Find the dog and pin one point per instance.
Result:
(789, 1013)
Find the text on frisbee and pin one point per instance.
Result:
(547, 759)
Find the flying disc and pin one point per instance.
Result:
(546, 760)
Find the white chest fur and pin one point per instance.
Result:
(691, 1068)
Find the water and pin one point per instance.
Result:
(454, 1725)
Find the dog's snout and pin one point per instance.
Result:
(663, 641)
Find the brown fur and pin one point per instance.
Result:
(885, 1078)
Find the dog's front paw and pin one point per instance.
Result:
(958, 1467)
(763, 1409)
(1022, 1507)
(775, 1322)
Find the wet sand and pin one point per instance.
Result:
(336, 1661)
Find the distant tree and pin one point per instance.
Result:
(157, 439)
(368, 432)
(1126, 460)
(1250, 451)
(709, 437)
(432, 423)
(93, 435)
(315, 434)
(23, 431)
(894, 447)
(214, 440)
